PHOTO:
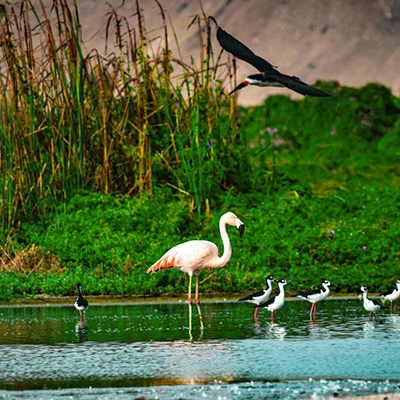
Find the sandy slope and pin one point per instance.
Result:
(354, 42)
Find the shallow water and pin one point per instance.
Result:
(148, 350)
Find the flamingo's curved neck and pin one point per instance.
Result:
(226, 256)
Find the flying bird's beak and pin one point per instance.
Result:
(241, 230)
(241, 86)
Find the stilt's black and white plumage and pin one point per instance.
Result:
(269, 76)
(261, 296)
(392, 295)
(81, 303)
(370, 305)
(314, 296)
(276, 302)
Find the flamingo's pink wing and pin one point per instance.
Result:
(166, 261)
(188, 257)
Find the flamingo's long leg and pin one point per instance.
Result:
(197, 290)
(200, 317)
(190, 290)
(190, 322)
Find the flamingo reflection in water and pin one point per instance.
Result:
(191, 325)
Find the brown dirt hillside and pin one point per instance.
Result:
(354, 42)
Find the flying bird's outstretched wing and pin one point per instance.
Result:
(239, 50)
(294, 83)
(269, 76)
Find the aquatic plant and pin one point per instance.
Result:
(123, 122)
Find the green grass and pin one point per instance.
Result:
(108, 242)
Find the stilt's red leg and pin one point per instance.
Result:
(272, 316)
(312, 310)
(256, 313)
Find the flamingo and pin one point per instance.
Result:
(81, 303)
(193, 256)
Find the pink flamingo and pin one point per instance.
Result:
(193, 256)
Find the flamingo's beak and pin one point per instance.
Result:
(241, 86)
(241, 230)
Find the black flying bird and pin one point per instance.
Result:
(268, 76)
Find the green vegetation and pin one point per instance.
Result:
(106, 164)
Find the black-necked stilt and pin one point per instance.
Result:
(269, 76)
(370, 305)
(314, 296)
(276, 302)
(81, 303)
(393, 295)
(261, 296)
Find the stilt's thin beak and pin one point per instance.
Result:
(241, 86)
(241, 230)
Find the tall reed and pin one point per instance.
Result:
(73, 122)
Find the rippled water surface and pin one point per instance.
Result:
(148, 351)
